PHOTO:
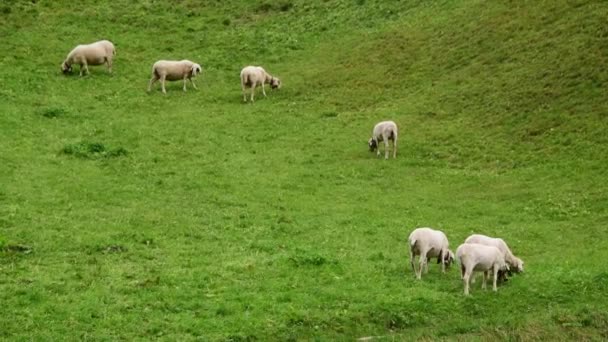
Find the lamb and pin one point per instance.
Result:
(474, 257)
(515, 263)
(387, 130)
(428, 243)
(252, 76)
(90, 54)
(173, 71)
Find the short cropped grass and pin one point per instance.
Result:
(127, 215)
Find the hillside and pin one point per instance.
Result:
(133, 215)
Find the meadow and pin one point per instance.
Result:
(127, 215)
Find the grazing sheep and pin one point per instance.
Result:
(429, 243)
(252, 76)
(515, 263)
(474, 257)
(387, 130)
(174, 71)
(90, 54)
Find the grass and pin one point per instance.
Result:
(127, 215)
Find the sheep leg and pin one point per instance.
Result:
(462, 269)
(412, 261)
(494, 288)
(185, 81)
(252, 91)
(386, 147)
(109, 64)
(86, 68)
(263, 90)
(152, 81)
(244, 92)
(194, 85)
(162, 83)
(422, 263)
(485, 277)
(465, 279)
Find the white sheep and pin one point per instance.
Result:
(90, 54)
(173, 71)
(515, 263)
(387, 130)
(474, 257)
(252, 76)
(429, 243)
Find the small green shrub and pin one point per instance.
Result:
(15, 248)
(286, 6)
(88, 150)
(303, 259)
(327, 115)
(52, 113)
(111, 249)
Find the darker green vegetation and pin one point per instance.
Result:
(88, 150)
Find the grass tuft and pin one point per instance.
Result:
(111, 249)
(89, 150)
(53, 113)
(15, 248)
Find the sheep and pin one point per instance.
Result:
(427, 243)
(474, 257)
(387, 130)
(90, 54)
(252, 76)
(173, 71)
(515, 263)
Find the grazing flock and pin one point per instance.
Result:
(479, 253)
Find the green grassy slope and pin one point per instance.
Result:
(203, 217)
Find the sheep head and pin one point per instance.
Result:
(275, 83)
(502, 276)
(518, 265)
(66, 68)
(446, 258)
(373, 144)
(196, 69)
